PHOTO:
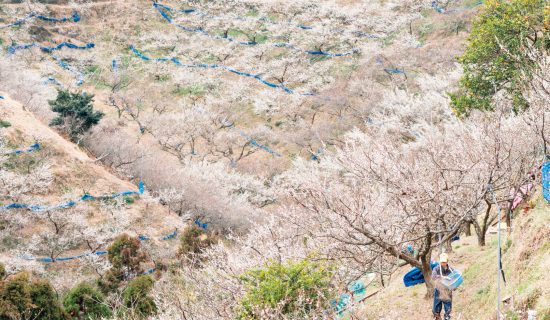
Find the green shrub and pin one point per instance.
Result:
(494, 59)
(86, 302)
(125, 253)
(293, 288)
(126, 257)
(45, 301)
(136, 297)
(16, 295)
(4, 124)
(22, 299)
(76, 113)
(194, 240)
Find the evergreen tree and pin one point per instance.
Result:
(86, 302)
(76, 113)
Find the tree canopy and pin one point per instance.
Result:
(76, 112)
(495, 59)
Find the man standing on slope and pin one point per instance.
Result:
(443, 297)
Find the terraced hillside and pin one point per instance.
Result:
(57, 181)
(237, 143)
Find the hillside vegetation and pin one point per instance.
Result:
(525, 261)
(268, 160)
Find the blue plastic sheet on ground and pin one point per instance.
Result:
(114, 66)
(165, 11)
(14, 48)
(78, 75)
(53, 80)
(258, 145)
(317, 156)
(230, 125)
(201, 224)
(149, 271)
(263, 20)
(49, 259)
(436, 7)
(546, 180)
(341, 303)
(177, 62)
(414, 276)
(394, 71)
(75, 17)
(358, 287)
(31, 148)
(1, 98)
(171, 235)
(356, 290)
(69, 204)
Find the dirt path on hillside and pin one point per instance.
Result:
(12, 111)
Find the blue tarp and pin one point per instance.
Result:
(169, 236)
(114, 66)
(263, 20)
(75, 17)
(52, 79)
(165, 11)
(98, 253)
(14, 48)
(436, 7)
(78, 75)
(341, 303)
(177, 62)
(31, 148)
(254, 142)
(414, 276)
(546, 180)
(394, 71)
(48, 259)
(68, 204)
(201, 224)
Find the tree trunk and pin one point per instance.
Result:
(509, 216)
(481, 238)
(448, 246)
(468, 229)
(427, 273)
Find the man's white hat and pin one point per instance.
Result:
(443, 258)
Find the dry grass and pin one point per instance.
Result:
(526, 261)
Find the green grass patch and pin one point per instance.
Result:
(261, 38)
(92, 69)
(318, 58)
(234, 33)
(507, 245)
(424, 31)
(160, 51)
(253, 12)
(195, 90)
(4, 124)
(128, 200)
(482, 291)
(23, 163)
(162, 77)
